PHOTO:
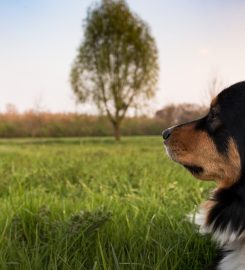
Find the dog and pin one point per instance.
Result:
(213, 148)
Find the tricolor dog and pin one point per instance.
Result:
(213, 148)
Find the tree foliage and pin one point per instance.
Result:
(116, 66)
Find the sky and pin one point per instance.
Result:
(197, 40)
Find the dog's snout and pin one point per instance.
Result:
(166, 133)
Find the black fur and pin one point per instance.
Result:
(194, 169)
(220, 254)
(230, 209)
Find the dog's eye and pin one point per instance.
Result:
(214, 121)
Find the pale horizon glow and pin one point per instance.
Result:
(197, 41)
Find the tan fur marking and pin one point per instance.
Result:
(214, 101)
(191, 147)
(233, 163)
(208, 205)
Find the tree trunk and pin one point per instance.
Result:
(117, 133)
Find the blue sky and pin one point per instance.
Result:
(197, 40)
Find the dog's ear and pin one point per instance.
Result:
(231, 102)
(226, 219)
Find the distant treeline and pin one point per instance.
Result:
(44, 124)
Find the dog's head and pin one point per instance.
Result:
(213, 147)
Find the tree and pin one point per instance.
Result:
(116, 66)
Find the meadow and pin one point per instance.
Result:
(93, 203)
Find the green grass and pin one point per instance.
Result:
(97, 204)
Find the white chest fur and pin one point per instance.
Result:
(227, 239)
(235, 258)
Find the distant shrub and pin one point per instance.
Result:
(32, 124)
(177, 114)
(45, 124)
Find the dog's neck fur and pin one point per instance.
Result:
(223, 216)
(227, 209)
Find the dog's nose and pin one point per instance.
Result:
(166, 133)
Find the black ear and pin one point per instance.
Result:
(226, 220)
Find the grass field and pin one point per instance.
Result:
(97, 204)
